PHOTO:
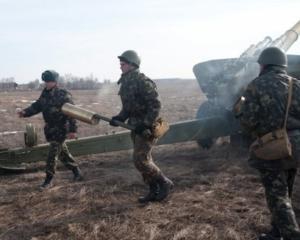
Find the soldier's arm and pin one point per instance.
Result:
(249, 109)
(152, 101)
(33, 109)
(123, 115)
(71, 121)
(295, 105)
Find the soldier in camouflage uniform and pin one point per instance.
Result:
(263, 111)
(141, 106)
(57, 126)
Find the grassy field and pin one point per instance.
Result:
(216, 195)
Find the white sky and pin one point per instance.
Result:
(85, 37)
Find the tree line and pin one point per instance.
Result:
(67, 81)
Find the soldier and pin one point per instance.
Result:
(57, 126)
(140, 104)
(262, 111)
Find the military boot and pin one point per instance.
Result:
(47, 183)
(77, 174)
(165, 186)
(151, 196)
(274, 234)
(266, 236)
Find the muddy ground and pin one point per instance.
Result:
(216, 195)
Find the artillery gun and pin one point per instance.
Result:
(221, 80)
(12, 159)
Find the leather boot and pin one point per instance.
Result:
(47, 182)
(274, 234)
(266, 236)
(151, 196)
(165, 186)
(77, 174)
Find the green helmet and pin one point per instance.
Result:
(130, 57)
(273, 56)
(50, 76)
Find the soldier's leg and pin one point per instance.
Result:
(291, 176)
(159, 184)
(140, 160)
(53, 154)
(68, 160)
(143, 159)
(279, 203)
(66, 157)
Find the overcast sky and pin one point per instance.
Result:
(85, 37)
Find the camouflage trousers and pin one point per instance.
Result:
(59, 151)
(142, 157)
(278, 186)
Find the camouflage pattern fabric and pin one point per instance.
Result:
(142, 157)
(278, 190)
(57, 125)
(140, 105)
(139, 98)
(59, 151)
(265, 103)
(263, 111)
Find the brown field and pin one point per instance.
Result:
(216, 195)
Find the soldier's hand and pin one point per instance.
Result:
(20, 112)
(72, 135)
(114, 119)
(237, 107)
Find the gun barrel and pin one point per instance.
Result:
(262, 45)
(286, 40)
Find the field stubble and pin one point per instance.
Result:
(216, 196)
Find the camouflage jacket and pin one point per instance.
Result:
(140, 103)
(50, 103)
(263, 109)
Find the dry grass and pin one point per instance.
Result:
(217, 196)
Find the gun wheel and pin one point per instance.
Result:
(30, 135)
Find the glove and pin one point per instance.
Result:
(20, 113)
(115, 118)
(140, 128)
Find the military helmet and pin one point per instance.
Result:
(130, 57)
(273, 56)
(50, 76)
